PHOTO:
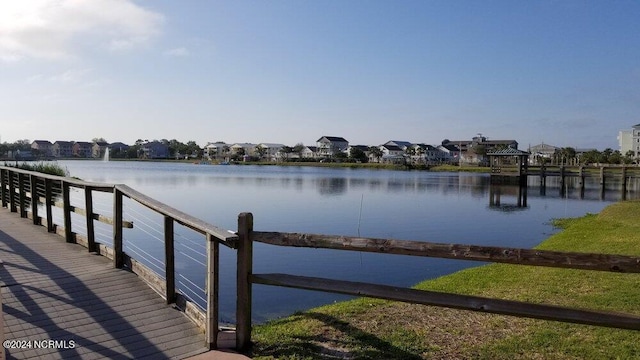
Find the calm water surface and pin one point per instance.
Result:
(412, 205)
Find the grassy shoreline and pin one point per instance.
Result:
(371, 329)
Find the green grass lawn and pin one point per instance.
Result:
(375, 329)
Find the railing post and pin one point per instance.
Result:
(12, 193)
(244, 271)
(169, 260)
(48, 204)
(88, 203)
(118, 254)
(3, 187)
(2, 354)
(34, 199)
(66, 210)
(22, 196)
(213, 265)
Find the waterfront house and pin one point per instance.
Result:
(82, 149)
(309, 152)
(216, 150)
(542, 153)
(155, 150)
(98, 149)
(269, 151)
(118, 149)
(475, 151)
(41, 148)
(328, 146)
(62, 149)
(392, 154)
(425, 154)
(404, 145)
(449, 153)
(629, 140)
(246, 149)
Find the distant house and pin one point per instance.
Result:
(629, 140)
(392, 154)
(42, 148)
(363, 148)
(82, 149)
(155, 150)
(216, 150)
(450, 153)
(118, 149)
(309, 152)
(247, 149)
(62, 149)
(269, 151)
(425, 154)
(542, 151)
(328, 146)
(474, 151)
(99, 148)
(404, 145)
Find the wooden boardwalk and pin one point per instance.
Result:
(53, 290)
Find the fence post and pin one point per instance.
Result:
(34, 199)
(22, 196)
(48, 203)
(118, 255)
(244, 271)
(213, 265)
(88, 204)
(12, 192)
(169, 260)
(3, 187)
(66, 209)
(2, 354)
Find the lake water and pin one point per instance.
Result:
(412, 205)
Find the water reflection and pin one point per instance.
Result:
(499, 193)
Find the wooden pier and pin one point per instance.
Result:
(53, 290)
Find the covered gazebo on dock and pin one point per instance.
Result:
(508, 164)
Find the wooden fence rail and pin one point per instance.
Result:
(599, 262)
(17, 187)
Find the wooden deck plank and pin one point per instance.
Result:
(60, 291)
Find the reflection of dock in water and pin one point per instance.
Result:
(496, 193)
(584, 178)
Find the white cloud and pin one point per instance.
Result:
(52, 29)
(178, 52)
(70, 76)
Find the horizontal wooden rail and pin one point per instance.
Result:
(571, 260)
(465, 302)
(226, 237)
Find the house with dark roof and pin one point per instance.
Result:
(82, 149)
(425, 154)
(41, 148)
(99, 148)
(155, 150)
(392, 154)
(330, 145)
(404, 145)
(474, 151)
(450, 153)
(62, 149)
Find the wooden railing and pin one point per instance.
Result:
(17, 187)
(569, 260)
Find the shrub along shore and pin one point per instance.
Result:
(375, 329)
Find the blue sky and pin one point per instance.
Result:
(566, 73)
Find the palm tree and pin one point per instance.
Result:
(376, 152)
